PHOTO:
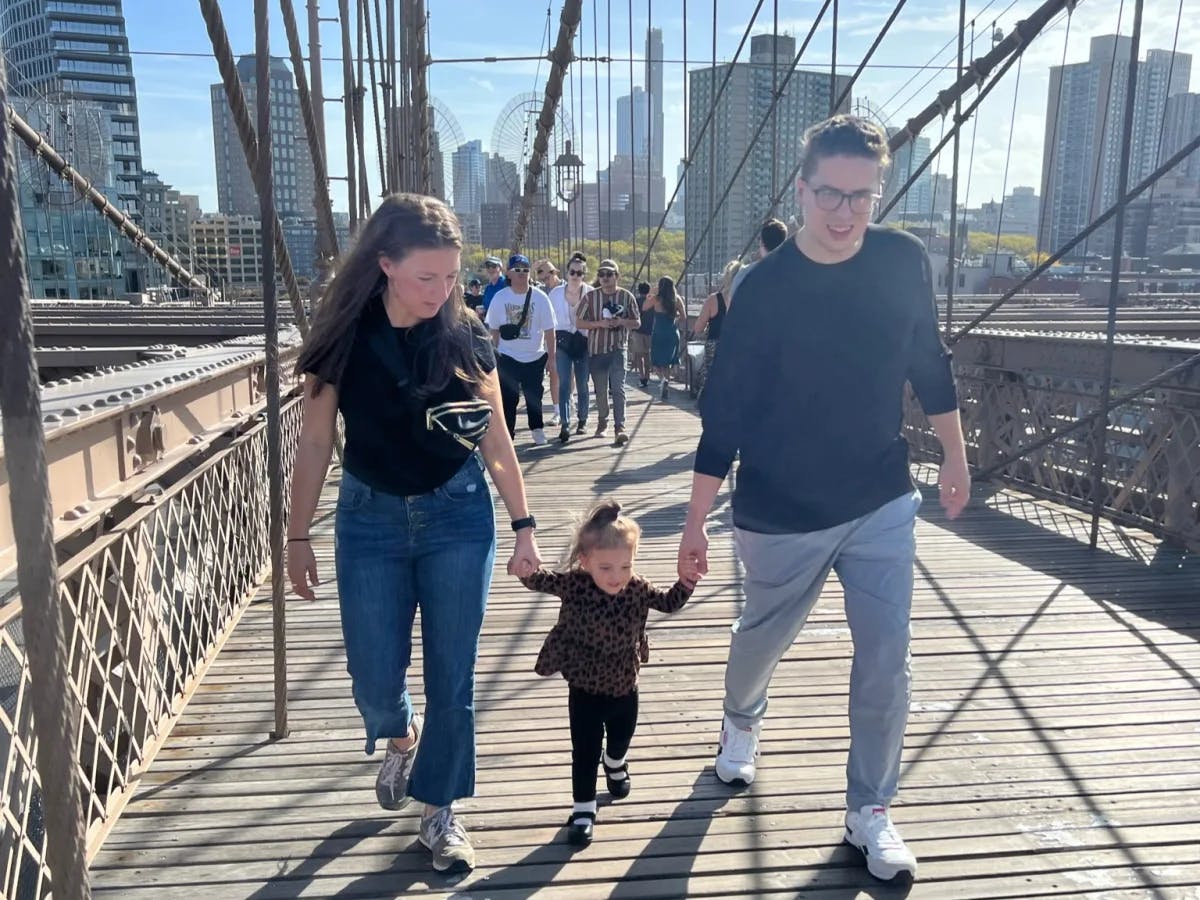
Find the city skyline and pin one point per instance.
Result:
(484, 85)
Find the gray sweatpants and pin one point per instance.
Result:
(873, 558)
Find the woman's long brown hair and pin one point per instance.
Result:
(401, 223)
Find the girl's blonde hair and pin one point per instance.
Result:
(603, 528)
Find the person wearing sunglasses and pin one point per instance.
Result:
(522, 324)
(608, 314)
(571, 354)
(413, 374)
(807, 389)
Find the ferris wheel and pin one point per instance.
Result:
(449, 138)
(515, 131)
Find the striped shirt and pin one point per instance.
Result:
(591, 309)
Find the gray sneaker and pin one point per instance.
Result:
(447, 840)
(391, 784)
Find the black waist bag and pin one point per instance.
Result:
(510, 331)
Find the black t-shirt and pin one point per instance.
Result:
(647, 325)
(387, 443)
(808, 386)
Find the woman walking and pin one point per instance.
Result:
(413, 374)
(664, 339)
(571, 356)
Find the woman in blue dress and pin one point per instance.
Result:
(664, 339)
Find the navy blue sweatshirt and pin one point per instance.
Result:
(808, 383)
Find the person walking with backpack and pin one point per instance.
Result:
(608, 314)
(522, 325)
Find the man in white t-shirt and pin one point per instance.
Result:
(524, 338)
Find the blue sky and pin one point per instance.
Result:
(173, 90)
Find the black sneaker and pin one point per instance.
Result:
(665, 390)
(581, 428)
(564, 435)
(643, 381)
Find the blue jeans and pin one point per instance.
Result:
(565, 365)
(393, 555)
(873, 558)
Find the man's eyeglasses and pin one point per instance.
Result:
(830, 199)
(607, 273)
(578, 272)
(519, 271)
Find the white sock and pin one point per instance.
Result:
(613, 763)
(589, 808)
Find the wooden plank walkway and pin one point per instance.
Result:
(1053, 747)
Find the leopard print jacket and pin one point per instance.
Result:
(599, 642)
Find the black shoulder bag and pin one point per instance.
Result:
(510, 331)
(463, 421)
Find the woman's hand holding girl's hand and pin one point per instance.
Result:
(525, 559)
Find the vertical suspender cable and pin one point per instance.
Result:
(313, 131)
(608, 129)
(1100, 434)
(266, 205)
(348, 111)
(596, 104)
(633, 149)
(952, 255)
(710, 261)
(55, 702)
(365, 13)
(360, 91)
(420, 70)
(314, 64)
(1100, 156)
(774, 91)
(833, 63)
(394, 115)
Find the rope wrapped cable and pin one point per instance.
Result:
(323, 204)
(56, 711)
(420, 95)
(275, 514)
(560, 59)
(64, 170)
(211, 10)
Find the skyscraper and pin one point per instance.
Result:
(470, 177)
(1182, 125)
(654, 88)
(291, 162)
(1084, 123)
(58, 51)
(632, 136)
(917, 202)
(743, 106)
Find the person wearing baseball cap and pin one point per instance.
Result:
(522, 324)
(547, 279)
(496, 279)
(608, 315)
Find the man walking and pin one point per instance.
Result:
(522, 326)
(808, 388)
(608, 315)
(495, 278)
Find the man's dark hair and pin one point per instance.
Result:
(773, 234)
(643, 287)
(843, 135)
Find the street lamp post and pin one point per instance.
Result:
(568, 169)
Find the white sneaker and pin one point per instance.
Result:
(871, 831)
(539, 437)
(736, 754)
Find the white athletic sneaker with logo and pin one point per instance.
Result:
(871, 831)
(736, 753)
(539, 437)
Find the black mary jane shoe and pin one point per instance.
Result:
(579, 828)
(618, 780)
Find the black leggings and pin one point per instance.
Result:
(591, 715)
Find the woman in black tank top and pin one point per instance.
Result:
(712, 314)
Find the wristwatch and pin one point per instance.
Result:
(527, 522)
